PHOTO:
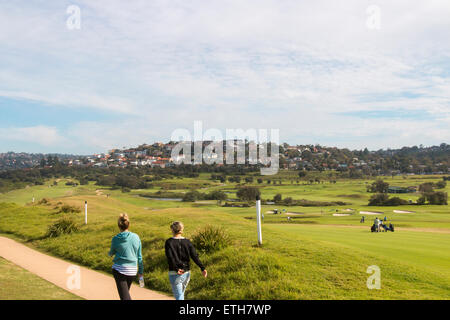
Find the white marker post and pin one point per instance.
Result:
(85, 212)
(258, 219)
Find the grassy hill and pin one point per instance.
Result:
(314, 256)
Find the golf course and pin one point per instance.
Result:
(320, 250)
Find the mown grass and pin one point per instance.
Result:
(309, 258)
(19, 284)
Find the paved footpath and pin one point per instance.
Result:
(91, 285)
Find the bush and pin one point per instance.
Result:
(436, 198)
(217, 195)
(441, 184)
(382, 199)
(278, 197)
(191, 196)
(426, 187)
(69, 209)
(396, 201)
(210, 239)
(237, 204)
(65, 225)
(248, 193)
(44, 201)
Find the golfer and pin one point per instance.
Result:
(179, 250)
(127, 249)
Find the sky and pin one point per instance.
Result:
(372, 74)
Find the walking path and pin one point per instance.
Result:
(93, 285)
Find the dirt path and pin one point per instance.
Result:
(93, 285)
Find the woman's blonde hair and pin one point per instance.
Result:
(177, 227)
(123, 222)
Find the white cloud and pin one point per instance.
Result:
(290, 65)
(41, 135)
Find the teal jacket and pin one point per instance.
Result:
(127, 249)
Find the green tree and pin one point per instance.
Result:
(248, 193)
(379, 186)
(278, 197)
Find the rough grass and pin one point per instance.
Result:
(64, 225)
(210, 239)
(19, 284)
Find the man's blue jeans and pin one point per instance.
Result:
(179, 284)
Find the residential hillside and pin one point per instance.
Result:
(407, 160)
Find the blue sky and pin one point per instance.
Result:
(136, 72)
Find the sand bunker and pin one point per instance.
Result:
(294, 213)
(341, 214)
(349, 210)
(370, 212)
(99, 193)
(403, 211)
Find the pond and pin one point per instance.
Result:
(164, 199)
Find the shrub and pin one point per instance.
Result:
(210, 239)
(69, 209)
(396, 201)
(421, 200)
(378, 199)
(44, 201)
(191, 196)
(248, 193)
(217, 195)
(426, 187)
(278, 197)
(382, 199)
(237, 204)
(107, 181)
(436, 198)
(64, 225)
(441, 184)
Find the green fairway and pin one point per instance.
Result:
(315, 255)
(19, 284)
(426, 250)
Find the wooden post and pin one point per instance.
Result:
(85, 212)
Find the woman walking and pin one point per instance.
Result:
(127, 249)
(179, 250)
